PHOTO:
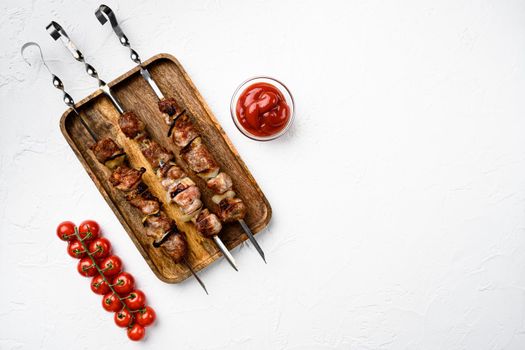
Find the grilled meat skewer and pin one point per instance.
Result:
(108, 153)
(200, 160)
(129, 181)
(180, 189)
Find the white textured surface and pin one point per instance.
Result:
(398, 197)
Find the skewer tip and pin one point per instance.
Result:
(196, 276)
(252, 239)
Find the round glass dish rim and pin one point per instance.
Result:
(246, 132)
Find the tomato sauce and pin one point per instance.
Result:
(262, 110)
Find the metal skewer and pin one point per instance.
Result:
(57, 32)
(123, 39)
(68, 100)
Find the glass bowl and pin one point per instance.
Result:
(287, 96)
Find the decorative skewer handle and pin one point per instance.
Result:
(57, 32)
(123, 39)
(109, 14)
(57, 82)
(68, 100)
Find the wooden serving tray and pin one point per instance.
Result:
(136, 95)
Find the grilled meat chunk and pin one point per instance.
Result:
(184, 131)
(106, 149)
(175, 173)
(220, 184)
(145, 202)
(125, 178)
(155, 154)
(179, 186)
(192, 208)
(208, 224)
(170, 173)
(231, 209)
(198, 157)
(158, 224)
(168, 106)
(130, 124)
(176, 246)
(188, 196)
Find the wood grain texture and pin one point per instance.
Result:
(135, 95)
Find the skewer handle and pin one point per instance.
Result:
(57, 83)
(57, 32)
(105, 13)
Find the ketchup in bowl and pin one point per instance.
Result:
(262, 108)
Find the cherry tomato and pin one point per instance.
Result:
(66, 230)
(123, 318)
(86, 268)
(89, 230)
(146, 316)
(99, 286)
(136, 332)
(111, 266)
(100, 248)
(123, 283)
(135, 300)
(111, 302)
(75, 249)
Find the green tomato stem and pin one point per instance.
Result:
(99, 270)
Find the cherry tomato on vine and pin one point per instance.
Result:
(123, 283)
(136, 332)
(99, 286)
(123, 318)
(75, 249)
(111, 302)
(111, 266)
(135, 300)
(66, 230)
(100, 248)
(146, 316)
(89, 230)
(86, 268)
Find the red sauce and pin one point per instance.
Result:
(262, 109)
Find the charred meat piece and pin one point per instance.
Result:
(168, 106)
(176, 246)
(198, 157)
(175, 173)
(179, 186)
(158, 224)
(231, 209)
(220, 184)
(184, 131)
(140, 189)
(125, 178)
(188, 196)
(106, 149)
(155, 153)
(130, 124)
(209, 174)
(220, 197)
(208, 224)
(192, 208)
(146, 202)
(170, 174)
